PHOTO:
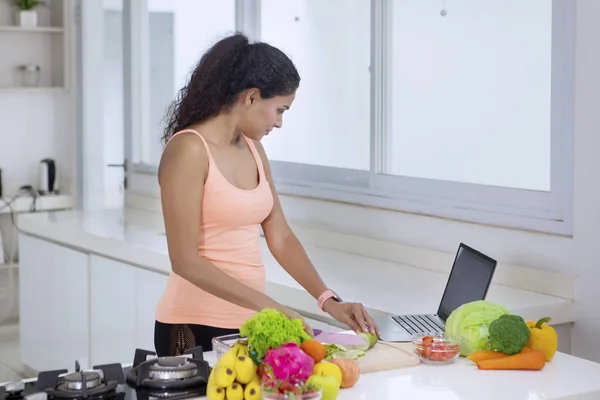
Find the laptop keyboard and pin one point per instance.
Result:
(419, 324)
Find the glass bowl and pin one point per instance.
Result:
(223, 344)
(268, 395)
(436, 350)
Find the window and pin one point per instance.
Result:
(330, 45)
(177, 34)
(469, 114)
(471, 92)
(455, 108)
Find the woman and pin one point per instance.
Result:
(216, 189)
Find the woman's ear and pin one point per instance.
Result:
(252, 95)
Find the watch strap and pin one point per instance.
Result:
(328, 294)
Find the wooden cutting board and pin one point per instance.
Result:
(386, 356)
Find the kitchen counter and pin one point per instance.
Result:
(383, 286)
(70, 261)
(125, 252)
(565, 377)
(25, 203)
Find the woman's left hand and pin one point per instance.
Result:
(352, 314)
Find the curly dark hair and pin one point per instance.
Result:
(229, 67)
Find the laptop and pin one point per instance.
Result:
(469, 281)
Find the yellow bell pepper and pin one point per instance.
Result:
(543, 337)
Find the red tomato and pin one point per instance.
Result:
(286, 387)
(427, 352)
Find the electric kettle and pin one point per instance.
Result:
(48, 177)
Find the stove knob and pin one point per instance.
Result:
(17, 386)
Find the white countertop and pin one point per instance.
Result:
(565, 377)
(134, 237)
(383, 286)
(24, 203)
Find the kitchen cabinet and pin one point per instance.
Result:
(53, 305)
(123, 302)
(83, 307)
(112, 310)
(80, 307)
(149, 288)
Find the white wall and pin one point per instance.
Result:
(38, 123)
(34, 126)
(577, 256)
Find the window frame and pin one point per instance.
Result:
(548, 212)
(141, 176)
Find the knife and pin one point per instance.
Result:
(342, 339)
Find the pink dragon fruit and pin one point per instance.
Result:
(289, 362)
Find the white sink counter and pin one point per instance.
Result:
(383, 286)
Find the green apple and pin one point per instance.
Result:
(330, 385)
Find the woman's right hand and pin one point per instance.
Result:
(294, 315)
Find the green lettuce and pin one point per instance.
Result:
(269, 329)
(469, 325)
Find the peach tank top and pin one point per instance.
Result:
(229, 238)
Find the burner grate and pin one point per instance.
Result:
(169, 373)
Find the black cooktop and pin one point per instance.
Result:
(165, 378)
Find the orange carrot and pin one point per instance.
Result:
(525, 349)
(486, 355)
(490, 355)
(527, 360)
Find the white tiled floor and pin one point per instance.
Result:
(10, 362)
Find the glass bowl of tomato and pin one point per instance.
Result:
(289, 390)
(436, 350)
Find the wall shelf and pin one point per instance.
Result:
(37, 89)
(39, 29)
(8, 266)
(46, 47)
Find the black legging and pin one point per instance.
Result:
(174, 339)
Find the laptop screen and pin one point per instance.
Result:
(469, 280)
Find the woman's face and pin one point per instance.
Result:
(260, 116)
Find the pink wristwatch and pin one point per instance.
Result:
(328, 294)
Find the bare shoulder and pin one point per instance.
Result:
(261, 151)
(185, 154)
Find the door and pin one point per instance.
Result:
(101, 26)
(114, 152)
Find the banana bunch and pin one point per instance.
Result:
(234, 376)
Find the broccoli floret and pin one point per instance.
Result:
(509, 334)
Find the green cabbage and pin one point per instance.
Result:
(469, 325)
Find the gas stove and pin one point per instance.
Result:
(149, 377)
